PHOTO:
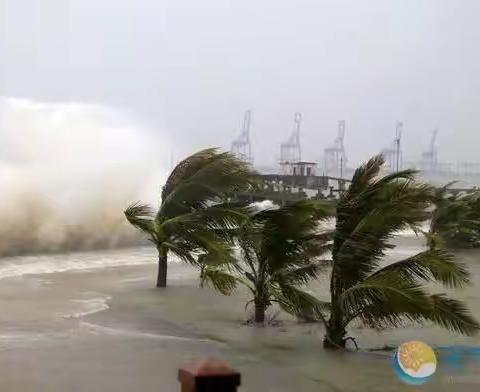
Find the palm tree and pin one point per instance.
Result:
(194, 215)
(455, 220)
(369, 214)
(277, 247)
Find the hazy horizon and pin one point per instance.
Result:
(190, 69)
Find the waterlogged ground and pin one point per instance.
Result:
(93, 322)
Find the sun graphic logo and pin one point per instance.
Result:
(415, 362)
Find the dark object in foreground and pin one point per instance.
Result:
(209, 376)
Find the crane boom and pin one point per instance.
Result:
(434, 140)
(291, 151)
(241, 146)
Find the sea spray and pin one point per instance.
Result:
(67, 171)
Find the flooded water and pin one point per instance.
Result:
(94, 322)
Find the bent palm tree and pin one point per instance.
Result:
(194, 216)
(369, 214)
(277, 250)
(455, 220)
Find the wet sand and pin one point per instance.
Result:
(99, 328)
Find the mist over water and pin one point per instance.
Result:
(67, 171)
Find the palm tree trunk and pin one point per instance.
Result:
(431, 233)
(162, 268)
(334, 340)
(259, 313)
(335, 334)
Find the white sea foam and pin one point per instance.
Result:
(67, 171)
(89, 306)
(77, 262)
(100, 329)
(11, 269)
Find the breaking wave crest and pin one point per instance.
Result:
(67, 171)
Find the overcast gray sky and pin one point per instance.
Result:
(194, 66)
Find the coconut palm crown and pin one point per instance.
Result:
(362, 287)
(195, 215)
(280, 251)
(455, 219)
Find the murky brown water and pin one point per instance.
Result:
(93, 322)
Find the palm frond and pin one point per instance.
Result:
(183, 250)
(206, 241)
(222, 219)
(251, 266)
(442, 192)
(382, 315)
(365, 227)
(140, 216)
(221, 280)
(365, 181)
(273, 245)
(212, 230)
(318, 244)
(301, 304)
(187, 168)
(380, 291)
(210, 178)
(223, 259)
(289, 231)
(452, 315)
(429, 265)
(364, 174)
(369, 214)
(445, 312)
(455, 220)
(301, 275)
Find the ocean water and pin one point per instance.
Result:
(93, 322)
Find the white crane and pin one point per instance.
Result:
(430, 156)
(241, 147)
(393, 155)
(335, 158)
(291, 151)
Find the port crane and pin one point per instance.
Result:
(241, 147)
(291, 151)
(430, 156)
(335, 157)
(393, 155)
